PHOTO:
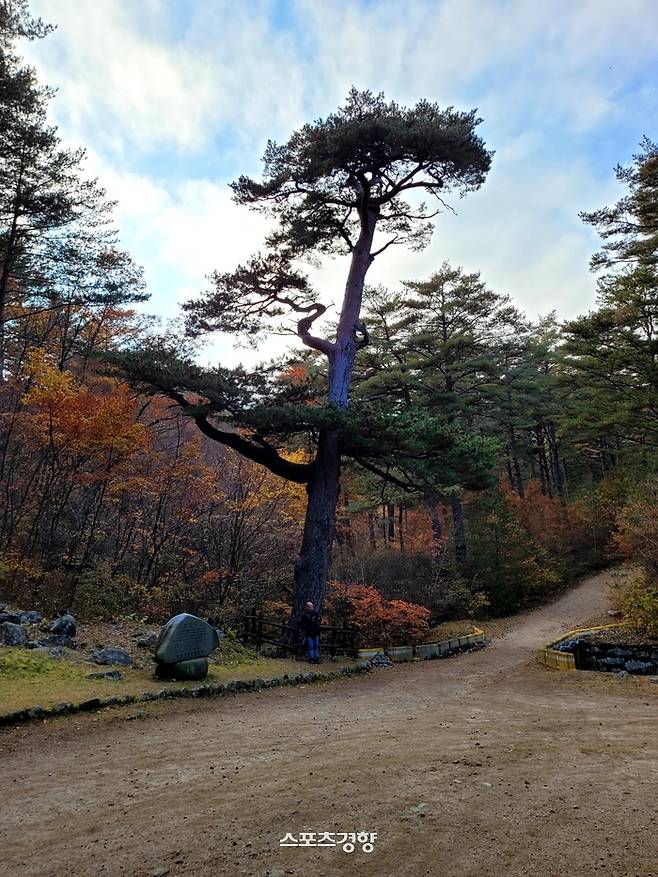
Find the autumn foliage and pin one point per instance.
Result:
(377, 621)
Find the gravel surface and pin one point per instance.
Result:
(484, 764)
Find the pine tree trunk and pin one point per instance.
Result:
(556, 467)
(517, 478)
(312, 566)
(390, 517)
(438, 542)
(458, 530)
(372, 530)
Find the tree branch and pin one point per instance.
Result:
(262, 453)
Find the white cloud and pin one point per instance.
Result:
(551, 80)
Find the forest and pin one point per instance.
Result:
(486, 459)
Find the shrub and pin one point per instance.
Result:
(377, 621)
(638, 528)
(639, 603)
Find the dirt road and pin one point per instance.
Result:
(485, 764)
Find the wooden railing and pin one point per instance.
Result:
(257, 630)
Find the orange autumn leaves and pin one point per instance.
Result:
(78, 420)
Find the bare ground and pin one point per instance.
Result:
(486, 764)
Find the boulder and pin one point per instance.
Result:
(12, 634)
(11, 617)
(31, 617)
(57, 642)
(148, 642)
(111, 655)
(65, 625)
(185, 638)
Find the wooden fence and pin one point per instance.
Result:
(257, 630)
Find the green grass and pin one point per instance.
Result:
(28, 679)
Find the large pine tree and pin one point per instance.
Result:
(347, 185)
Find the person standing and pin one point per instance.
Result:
(309, 624)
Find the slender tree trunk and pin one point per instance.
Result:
(438, 542)
(4, 288)
(372, 530)
(401, 529)
(543, 463)
(458, 530)
(390, 522)
(556, 467)
(439, 554)
(7, 265)
(516, 466)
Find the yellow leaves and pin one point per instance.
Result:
(89, 422)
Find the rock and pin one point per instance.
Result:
(614, 613)
(65, 625)
(58, 642)
(31, 617)
(380, 660)
(111, 655)
(568, 645)
(638, 666)
(12, 634)
(612, 662)
(184, 671)
(10, 617)
(117, 675)
(148, 642)
(62, 708)
(185, 638)
(622, 674)
(15, 717)
(54, 652)
(93, 703)
(620, 653)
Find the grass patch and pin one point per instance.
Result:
(450, 630)
(28, 679)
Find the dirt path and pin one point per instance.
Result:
(486, 764)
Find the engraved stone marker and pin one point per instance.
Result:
(184, 638)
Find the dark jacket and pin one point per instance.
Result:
(309, 623)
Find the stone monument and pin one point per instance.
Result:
(183, 646)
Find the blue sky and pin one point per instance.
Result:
(174, 98)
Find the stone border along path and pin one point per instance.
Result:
(40, 713)
(551, 657)
(428, 651)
